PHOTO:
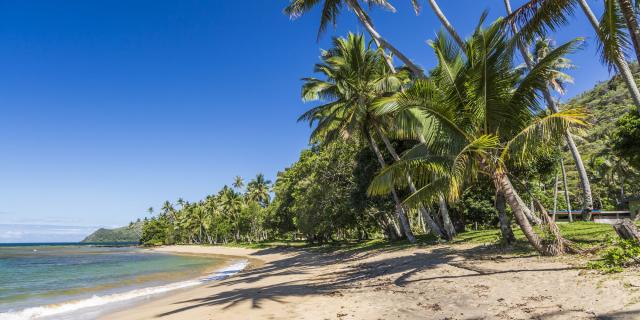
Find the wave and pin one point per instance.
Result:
(97, 300)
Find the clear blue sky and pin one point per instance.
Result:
(109, 107)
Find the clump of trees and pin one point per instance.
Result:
(478, 141)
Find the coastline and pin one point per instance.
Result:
(436, 282)
(105, 301)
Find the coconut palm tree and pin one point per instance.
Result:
(258, 190)
(355, 76)
(587, 206)
(331, 10)
(238, 182)
(559, 78)
(484, 113)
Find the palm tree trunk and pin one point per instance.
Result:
(587, 204)
(380, 41)
(446, 219)
(632, 23)
(435, 228)
(503, 185)
(505, 224)
(445, 22)
(555, 196)
(620, 62)
(402, 216)
(566, 190)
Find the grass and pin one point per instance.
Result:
(582, 233)
(585, 234)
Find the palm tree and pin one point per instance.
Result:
(460, 42)
(484, 114)
(258, 190)
(587, 205)
(541, 16)
(150, 211)
(559, 78)
(181, 202)
(355, 75)
(330, 11)
(238, 182)
(231, 204)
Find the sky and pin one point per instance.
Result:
(110, 107)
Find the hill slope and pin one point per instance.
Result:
(606, 103)
(124, 234)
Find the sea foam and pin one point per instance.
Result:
(98, 300)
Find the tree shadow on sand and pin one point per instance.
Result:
(354, 275)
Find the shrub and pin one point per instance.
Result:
(622, 254)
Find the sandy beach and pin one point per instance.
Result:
(442, 282)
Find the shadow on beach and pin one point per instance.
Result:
(353, 272)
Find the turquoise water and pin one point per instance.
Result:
(40, 275)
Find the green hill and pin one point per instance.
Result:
(606, 103)
(129, 233)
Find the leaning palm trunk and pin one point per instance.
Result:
(557, 246)
(632, 24)
(446, 219)
(619, 61)
(445, 22)
(587, 204)
(402, 216)
(380, 41)
(505, 224)
(433, 225)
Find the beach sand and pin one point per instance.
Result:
(437, 282)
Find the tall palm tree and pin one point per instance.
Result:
(330, 12)
(587, 205)
(150, 211)
(484, 114)
(355, 76)
(541, 16)
(238, 182)
(460, 42)
(258, 190)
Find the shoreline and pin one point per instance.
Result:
(109, 301)
(435, 282)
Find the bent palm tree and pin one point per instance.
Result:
(330, 11)
(483, 113)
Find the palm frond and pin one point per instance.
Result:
(614, 39)
(542, 131)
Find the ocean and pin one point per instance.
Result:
(74, 281)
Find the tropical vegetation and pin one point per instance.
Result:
(480, 141)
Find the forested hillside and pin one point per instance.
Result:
(130, 233)
(607, 102)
